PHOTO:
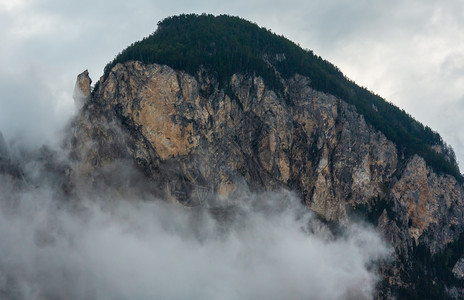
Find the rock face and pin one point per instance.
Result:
(194, 139)
(458, 269)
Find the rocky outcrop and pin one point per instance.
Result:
(431, 204)
(194, 139)
(82, 89)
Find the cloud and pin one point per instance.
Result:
(111, 239)
(32, 112)
(105, 247)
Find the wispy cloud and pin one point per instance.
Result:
(110, 247)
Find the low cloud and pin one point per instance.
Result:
(107, 245)
(32, 113)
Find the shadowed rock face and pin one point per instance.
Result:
(9, 170)
(3, 147)
(194, 140)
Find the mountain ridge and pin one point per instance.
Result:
(226, 45)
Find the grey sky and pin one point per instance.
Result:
(409, 52)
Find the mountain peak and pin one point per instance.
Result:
(226, 45)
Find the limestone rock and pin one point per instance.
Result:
(82, 89)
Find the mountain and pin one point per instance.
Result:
(211, 106)
(228, 45)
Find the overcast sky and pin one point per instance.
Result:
(411, 52)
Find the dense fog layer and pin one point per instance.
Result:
(116, 242)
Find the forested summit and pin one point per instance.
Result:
(226, 45)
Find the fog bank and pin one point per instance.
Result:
(111, 246)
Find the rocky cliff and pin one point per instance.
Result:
(195, 139)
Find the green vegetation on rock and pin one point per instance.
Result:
(226, 45)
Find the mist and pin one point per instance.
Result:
(116, 241)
